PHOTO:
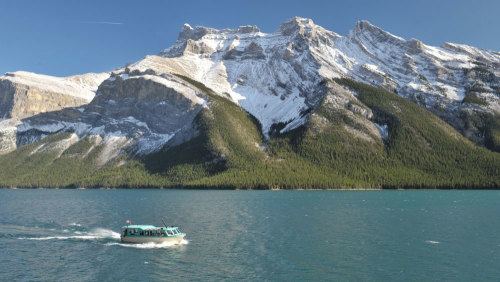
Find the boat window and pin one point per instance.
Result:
(169, 232)
(142, 233)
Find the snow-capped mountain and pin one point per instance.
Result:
(277, 77)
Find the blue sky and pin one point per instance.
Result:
(67, 37)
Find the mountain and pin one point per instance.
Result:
(26, 94)
(284, 68)
(241, 108)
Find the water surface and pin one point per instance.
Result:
(72, 235)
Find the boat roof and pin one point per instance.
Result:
(144, 227)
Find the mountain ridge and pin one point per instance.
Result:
(214, 85)
(417, 86)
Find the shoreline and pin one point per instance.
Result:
(239, 189)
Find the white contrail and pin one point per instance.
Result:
(99, 22)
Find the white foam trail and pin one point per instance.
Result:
(432, 242)
(75, 224)
(150, 245)
(83, 237)
(105, 233)
(95, 234)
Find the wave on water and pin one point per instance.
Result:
(94, 234)
(149, 245)
(432, 242)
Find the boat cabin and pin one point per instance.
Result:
(150, 231)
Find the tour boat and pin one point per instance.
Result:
(150, 233)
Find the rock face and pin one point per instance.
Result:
(136, 112)
(24, 94)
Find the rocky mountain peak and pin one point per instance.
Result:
(366, 30)
(196, 33)
(188, 32)
(364, 25)
(247, 29)
(296, 25)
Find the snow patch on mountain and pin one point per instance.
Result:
(81, 86)
(383, 129)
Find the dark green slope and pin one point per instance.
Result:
(492, 133)
(421, 151)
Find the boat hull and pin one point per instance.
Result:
(145, 239)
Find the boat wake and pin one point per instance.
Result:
(77, 232)
(149, 245)
(94, 234)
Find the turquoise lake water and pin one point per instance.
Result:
(72, 235)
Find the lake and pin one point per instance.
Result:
(73, 235)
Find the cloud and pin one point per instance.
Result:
(102, 22)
